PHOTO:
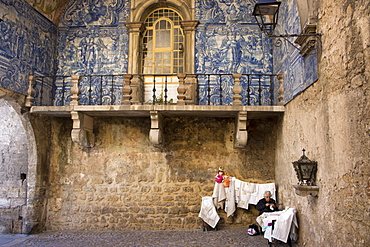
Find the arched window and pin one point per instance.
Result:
(163, 43)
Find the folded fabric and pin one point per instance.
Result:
(219, 195)
(283, 224)
(208, 212)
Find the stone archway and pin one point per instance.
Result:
(18, 163)
(13, 169)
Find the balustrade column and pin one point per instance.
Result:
(237, 90)
(281, 89)
(30, 92)
(126, 90)
(191, 89)
(75, 90)
(181, 89)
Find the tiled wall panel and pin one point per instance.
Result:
(27, 44)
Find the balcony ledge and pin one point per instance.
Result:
(254, 112)
(83, 117)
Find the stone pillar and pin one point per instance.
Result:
(189, 31)
(30, 91)
(281, 89)
(126, 90)
(134, 59)
(75, 90)
(137, 96)
(181, 90)
(237, 90)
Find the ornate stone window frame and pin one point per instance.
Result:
(139, 11)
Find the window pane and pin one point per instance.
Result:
(166, 55)
(167, 70)
(163, 38)
(158, 55)
(147, 70)
(147, 62)
(158, 70)
(158, 63)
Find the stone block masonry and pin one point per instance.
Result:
(124, 182)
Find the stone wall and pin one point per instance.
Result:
(331, 121)
(39, 145)
(126, 183)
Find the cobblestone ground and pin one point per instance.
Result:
(231, 236)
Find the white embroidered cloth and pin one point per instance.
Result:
(208, 212)
(219, 195)
(230, 206)
(285, 224)
(260, 191)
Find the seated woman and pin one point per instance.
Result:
(266, 204)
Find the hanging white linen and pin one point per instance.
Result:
(230, 205)
(260, 190)
(208, 212)
(219, 195)
(285, 224)
(245, 193)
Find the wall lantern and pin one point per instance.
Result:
(266, 13)
(306, 170)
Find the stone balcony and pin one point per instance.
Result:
(242, 97)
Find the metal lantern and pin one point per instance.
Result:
(266, 13)
(306, 170)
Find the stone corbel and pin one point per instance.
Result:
(241, 134)
(82, 132)
(155, 133)
(307, 43)
(306, 190)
